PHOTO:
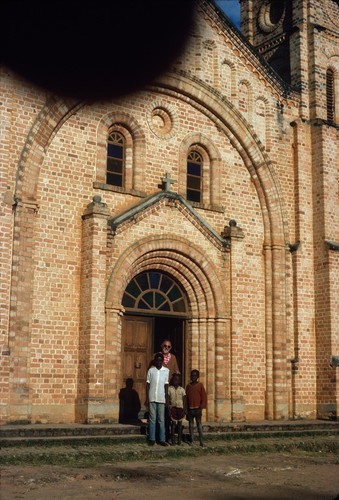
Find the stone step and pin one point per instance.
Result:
(12, 442)
(97, 431)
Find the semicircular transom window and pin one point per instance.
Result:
(154, 293)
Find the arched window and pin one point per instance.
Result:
(115, 173)
(154, 293)
(244, 98)
(260, 119)
(194, 176)
(227, 76)
(330, 98)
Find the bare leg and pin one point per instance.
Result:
(191, 429)
(172, 432)
(199, 426)
(179, 432)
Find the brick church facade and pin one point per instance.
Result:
(202, 208)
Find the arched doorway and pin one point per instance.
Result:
(206, 322)
(155, 308)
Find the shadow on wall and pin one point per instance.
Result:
(129, 404)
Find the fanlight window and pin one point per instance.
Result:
(155, 293)
(115, 159)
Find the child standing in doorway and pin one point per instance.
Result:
(177, 406)
(196, 402)
(157, 399)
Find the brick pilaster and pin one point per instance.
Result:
(19, 339)
(236, 235)
(92, 319)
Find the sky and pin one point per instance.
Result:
(231, 9)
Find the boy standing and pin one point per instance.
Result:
(196, 402)
(157, 398)
(177, 406)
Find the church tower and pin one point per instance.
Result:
(300, 40)
(268, 27)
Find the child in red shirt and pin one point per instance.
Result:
(196, 401)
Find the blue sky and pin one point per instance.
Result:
(231, 9)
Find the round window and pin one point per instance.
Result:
(271, 14)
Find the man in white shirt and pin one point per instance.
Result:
(157, 398)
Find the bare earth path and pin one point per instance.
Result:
(237, 476)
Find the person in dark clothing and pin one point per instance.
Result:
(196, 401)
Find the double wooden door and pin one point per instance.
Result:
(137, 344)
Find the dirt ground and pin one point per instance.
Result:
(236, 476)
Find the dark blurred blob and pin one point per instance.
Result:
(93, 50)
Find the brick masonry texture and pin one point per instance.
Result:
(261, 322)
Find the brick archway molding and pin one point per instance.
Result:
(208, 322)
(223, 114)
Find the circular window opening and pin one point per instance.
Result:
(161, 121)
(276, 11)
(271, 14)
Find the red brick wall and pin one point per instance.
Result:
(253, 308)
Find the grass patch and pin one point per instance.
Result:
(247, 436)
(73, 457)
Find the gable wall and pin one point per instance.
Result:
(65, 186)
(71, 174)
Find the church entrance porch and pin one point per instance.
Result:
(142, 337)
(155, 309)
(171, 281)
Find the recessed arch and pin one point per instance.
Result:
(192, 267)
(50, 119)
(245, 98)
(135, 147)
(242, 137)
(154, 292)
(205, 293)
(116, 158)
(228, 120)
(190, 90)
(228, 78)
(260, 117)
(211, 162)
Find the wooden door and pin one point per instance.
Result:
(137, 333)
